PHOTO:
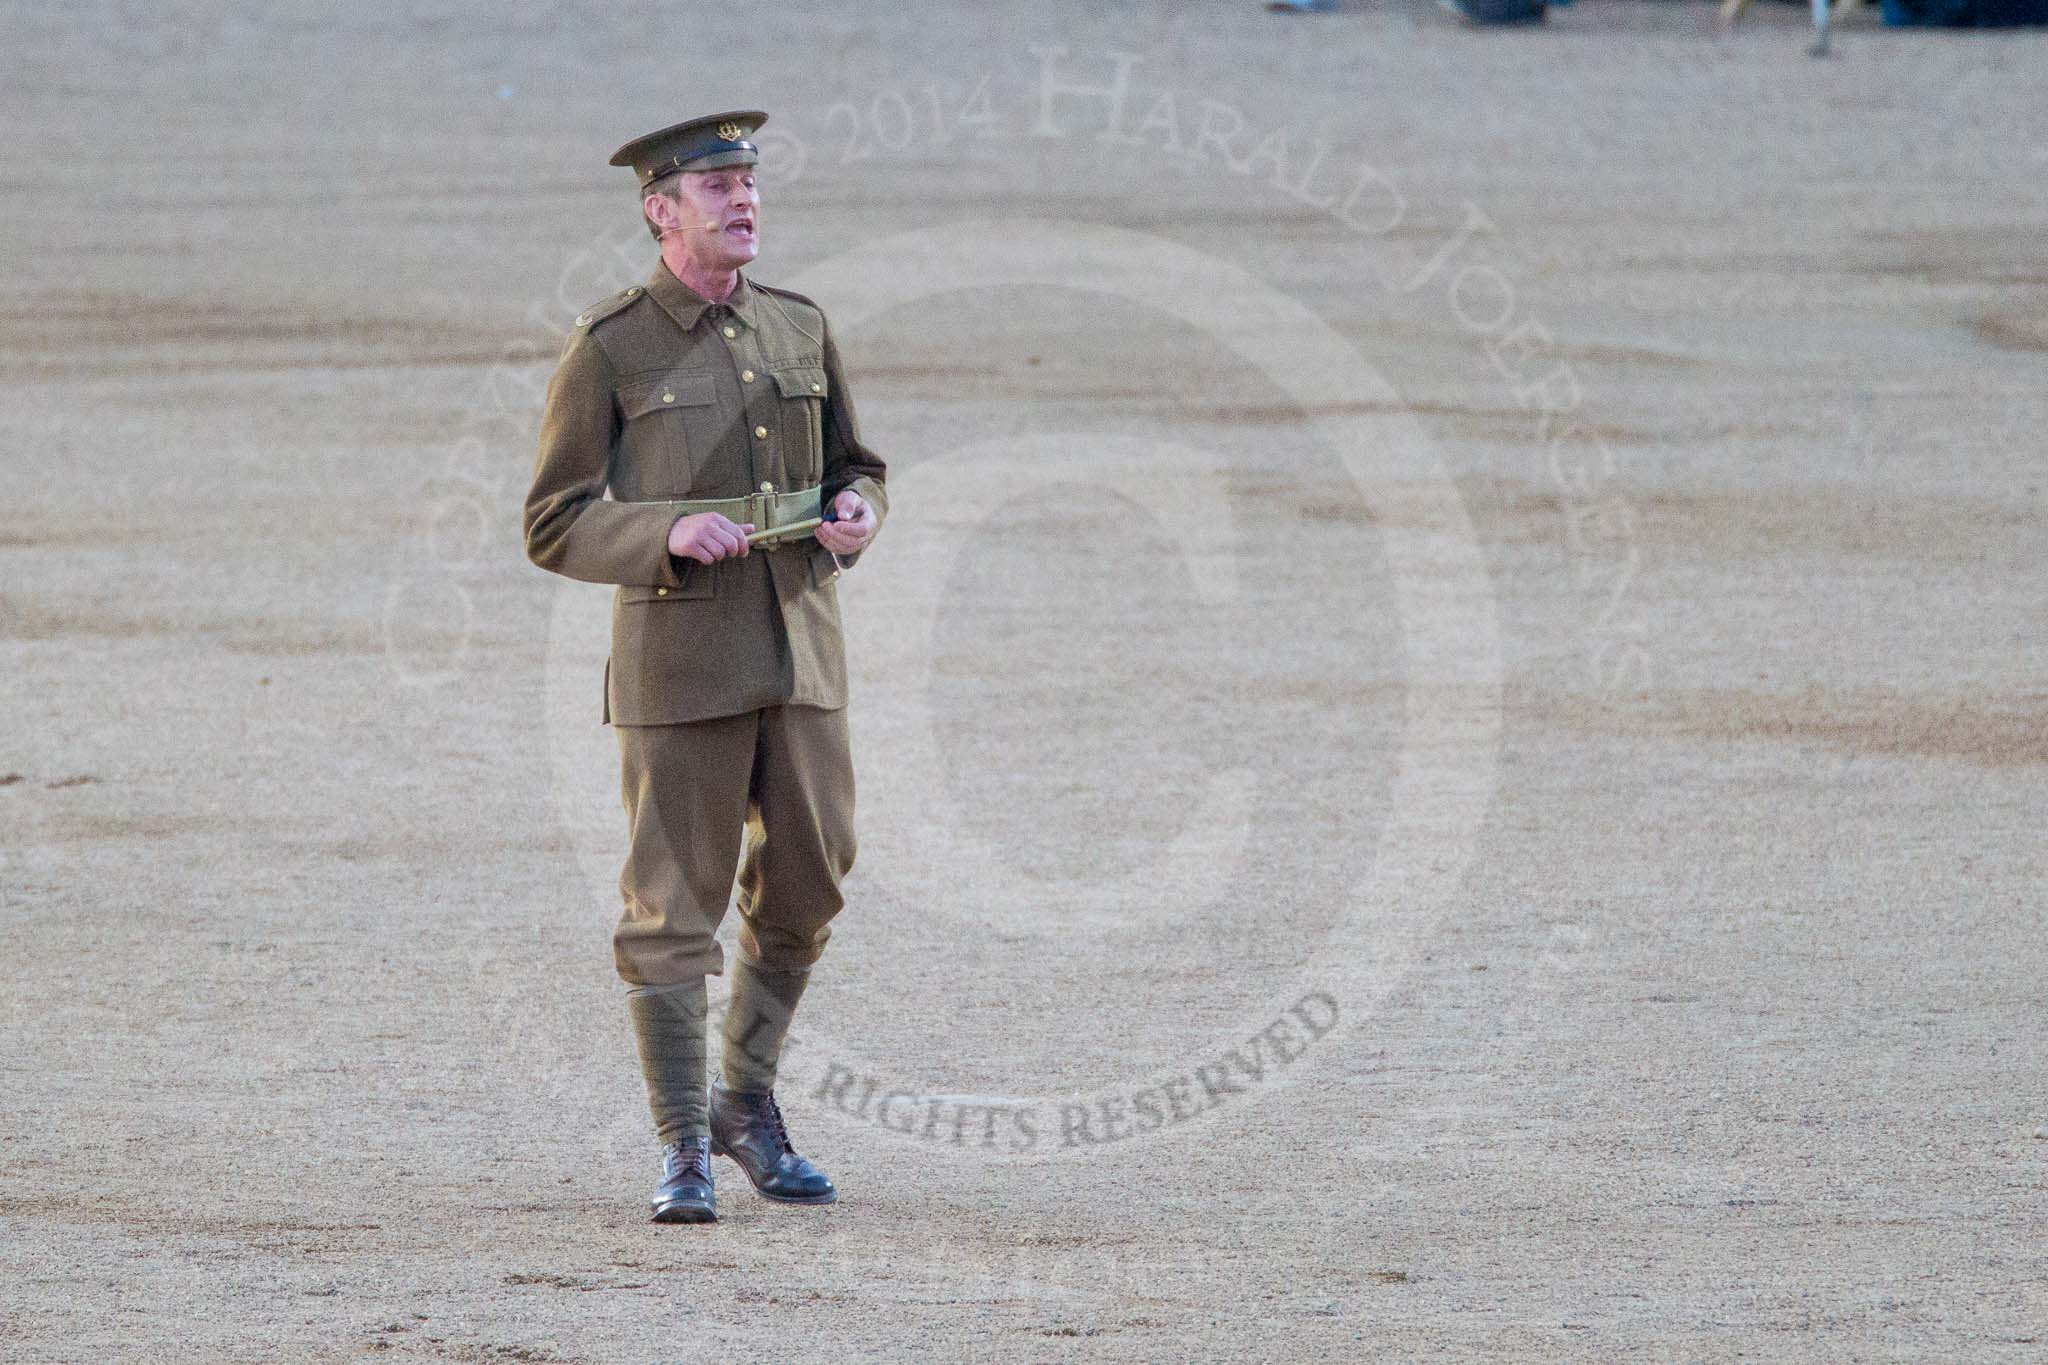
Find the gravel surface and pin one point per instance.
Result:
(1450, 713)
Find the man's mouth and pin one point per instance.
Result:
(740, 227)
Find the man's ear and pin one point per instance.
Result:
(647, 206)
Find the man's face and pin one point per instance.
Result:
(719, 217)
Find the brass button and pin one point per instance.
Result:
(661, 592)
(631, 292)
(730, 332)
(767, 487)
(583, 319)
(668, 398)
(817, 388)
(761, 433)
(746, 376)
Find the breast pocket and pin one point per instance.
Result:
(669, 430)
(801, 385)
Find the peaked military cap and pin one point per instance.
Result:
(701, 144)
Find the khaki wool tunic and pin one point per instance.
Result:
(660, 394)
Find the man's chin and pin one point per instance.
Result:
(738, 254)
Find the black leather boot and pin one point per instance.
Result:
(685, 1195)
(746, 1125)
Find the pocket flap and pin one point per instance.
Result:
(640, 396)
(800, 381)
(695, 587)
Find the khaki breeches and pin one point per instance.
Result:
(770, 791)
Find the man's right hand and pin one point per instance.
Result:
(707, 537)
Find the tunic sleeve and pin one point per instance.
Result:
(571, 527)
(848, 463)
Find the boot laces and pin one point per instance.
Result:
(690, 1158)
(774, 1112)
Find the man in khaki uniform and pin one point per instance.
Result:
(699, 451)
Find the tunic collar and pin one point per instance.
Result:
(686, 305)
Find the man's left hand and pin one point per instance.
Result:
(854, 528)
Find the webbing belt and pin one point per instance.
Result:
(777, 518)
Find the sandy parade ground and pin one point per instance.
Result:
(1450, 715)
